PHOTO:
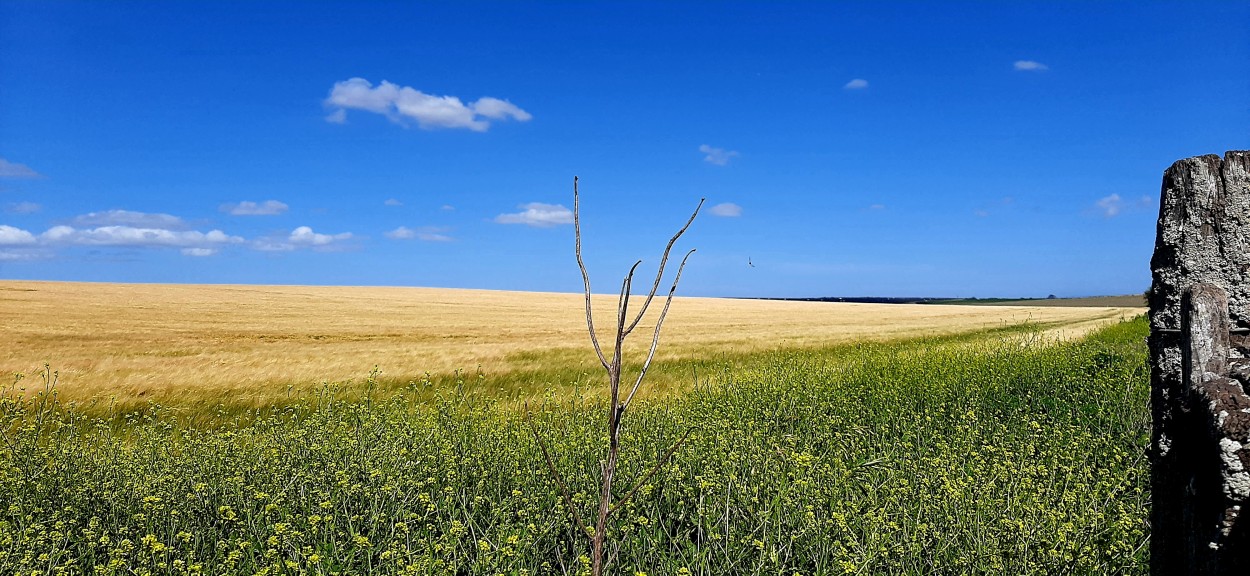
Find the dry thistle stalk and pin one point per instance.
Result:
(616, 407)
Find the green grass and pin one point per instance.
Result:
(992, 454)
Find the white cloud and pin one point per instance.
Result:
(877, 207)
(57, 233)
(448, 207)
(1113, 205)
(433, 235)
(717, 156)
(127, 218)
(337, 117)
(538, 215)
(122, 228)
(272, 245)
(500, 109)
(10, 236)
(132, 236)
(402, 104)
(22, 208)
(423, 233)
(15, 170)
(1030, 66)
(1110, 205)
(856, 84)
(248, 208)
(304, 236)
(726, 209)
(393, 202)
(23, 255)
(401, 233)
(360, 94)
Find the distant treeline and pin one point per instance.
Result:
(905, 300)
(1127, 301)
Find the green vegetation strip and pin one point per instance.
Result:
(994, 455)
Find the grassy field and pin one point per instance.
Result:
(993, 452)
(127, 345)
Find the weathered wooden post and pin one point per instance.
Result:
(1200, 369)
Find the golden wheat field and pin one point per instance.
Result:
(248, 344)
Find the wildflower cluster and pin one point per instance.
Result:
(950, 455)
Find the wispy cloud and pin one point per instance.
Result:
(448, 207)
(249, 208)
(423, 233)
(538, 215)
(433, 235)
(1030, 66)
(128, 229)
(138, 237)
(497, 109)
(403, 104)
(1110, 206)
(401, 233)
(130, 219)
(876, 207)
(856, 84)
(120, 228)
(1113, 205)
(302, 237)
(392, 202)
(22, 208)
(726, 209)
(717, 156)
(15, 170)
(23, 254)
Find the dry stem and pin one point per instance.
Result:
(616, 408)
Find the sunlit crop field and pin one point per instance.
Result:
(996, 452)
(254, 345)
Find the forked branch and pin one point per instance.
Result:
(655, 286)
(659, 274)
(655, 339)
(616, 408)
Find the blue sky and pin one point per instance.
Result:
(845, 149)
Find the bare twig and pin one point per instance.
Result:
(655, 339)
(659, 273)
(607, 467)
(629, 495)
(551, 466)
(590, 321)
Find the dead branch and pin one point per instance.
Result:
(551, 466)
(577, 232)
(659, 274)
(616, 409)
(660, 464)
(655, 339)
